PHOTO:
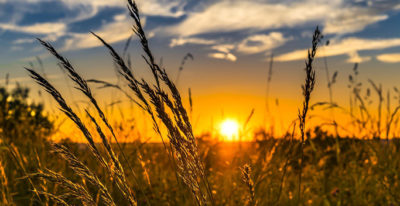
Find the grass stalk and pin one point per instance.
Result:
(307, 88)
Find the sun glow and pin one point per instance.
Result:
(229, 129)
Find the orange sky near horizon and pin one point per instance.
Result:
(229, 72)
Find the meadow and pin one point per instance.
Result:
(329, 163)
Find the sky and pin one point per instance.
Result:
(231, 41)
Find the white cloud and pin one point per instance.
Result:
(351, 20)
(354, 57)
(225, 48)
(38, 28)
(223, 52)
(250, 45)
(389, 58)
(118, 30)
(346, 46)
(24, 41)
(162, 7)
(147, 7)
(238, 15)
(261, 43)
(112, 32)
(338, 16)
(180, 41)
(225, 56)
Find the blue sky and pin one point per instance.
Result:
(231, 40)
(227, 29)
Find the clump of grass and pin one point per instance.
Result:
(160, 103)
(74, 190)
(155, 101)
(307, 88)
(5, 194)
(84, 172)
(113, 168)
(248, 181)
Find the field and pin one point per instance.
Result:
(330, 162)
(362, 173)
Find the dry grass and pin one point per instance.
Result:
(183, 145)
(291, 170)
(308, 87)
(246, 178)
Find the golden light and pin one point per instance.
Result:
(229, 129)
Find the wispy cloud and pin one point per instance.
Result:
(354, 57)
(260, 43)
(165, 8)
(168, 8)
(116, 30)
(338, 16)
(111, 32)
(389, 58)
(350, 20)
(225, 56)
(258, 26)
(223, 52)
(348, 46)
(38, 28)
(180, 41)
(249, 45)
(225, 48)
(24, 41)
(225, 16)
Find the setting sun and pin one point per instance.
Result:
(229, 129)
(183, 102)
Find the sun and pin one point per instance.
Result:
(229, 129)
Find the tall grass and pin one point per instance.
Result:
(158, 103)
(307, 88)
(320, 170)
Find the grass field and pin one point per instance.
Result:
(350, 163)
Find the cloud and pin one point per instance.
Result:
(389, 58)
(225, 48)
(227, 16)
(183, 40)
(223, 52)
(346, 46)
(168, 8)
(111, 32)
(260, 43)
(165, 8)
(351, 20)
(338, 16)
(354, 57)
(38, 28)
(250, 17)
(117, 30)
(225, 56)
(249, 45)
(24, 41)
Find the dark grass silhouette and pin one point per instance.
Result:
(312, 167)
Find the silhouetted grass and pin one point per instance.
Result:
(313, 167)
